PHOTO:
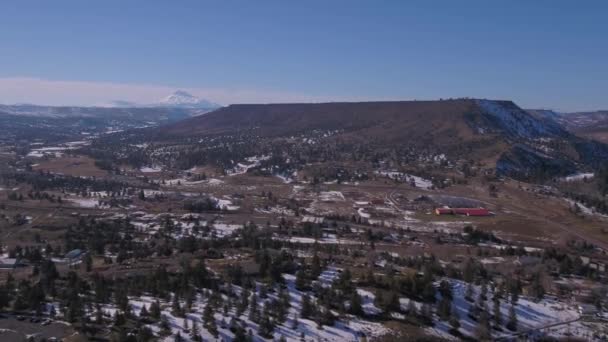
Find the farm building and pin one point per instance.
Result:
(74, 255)
(463, 211)
(9, 263)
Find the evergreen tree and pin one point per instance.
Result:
(155, 310)
(496, 311)
(165, 328)
(455, 322)
(176, 308)
(512, 323)
(469, 293)
(307, 310)
(483, 332)
(254, 313)
(412, 311)
(315, 268)
(266, 325)
(212, 328)
(88, 261)
(208, 314)
(144, 334)
(195, 334)
(301, 281)
(143, 312)
(356, 304)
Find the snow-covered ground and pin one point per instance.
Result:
(329, 196)
(85, 202)
(585, 210)
(326, 239)
(226, 204)
(348, 329)
(530, 314)
(225, 229)
(362, 213)
(242, 168)
(419, 182)
(56, 151)
(151, 169)
(578, 177)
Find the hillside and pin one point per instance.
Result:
(593, 125)
(499, 133)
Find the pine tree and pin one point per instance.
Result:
(195, 334)
(301, 281)
(512, 323)
(266, 325)
(88, 262)
(412, 311)
(295, 322)
(144, 334)
(176, 307)
(243, 303)
(254, 313)
(307, 308)
(356, 304)
(483, 332)
(469, 293)
(212, 328)
(484, 291)
(155, 310)
(455, 322)
(315, 269)
(143, 312)
(496, 312)
(208, 314)
(444, 308)
(426, 314)
(473, 312)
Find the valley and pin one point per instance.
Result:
(458, 219)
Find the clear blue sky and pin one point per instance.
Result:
(538, 53)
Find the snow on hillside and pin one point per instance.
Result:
(350, 329)
(242, 168)
(517, 122)
(150, 169)
(56, 151)
(530, 314)
(578, 177)
(416, 181)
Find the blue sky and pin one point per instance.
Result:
(549, 54)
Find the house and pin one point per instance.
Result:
(463, 211)
(9, 263)
(74, 255)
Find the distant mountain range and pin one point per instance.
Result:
(26, 121)
(592, 125)
(179, 99)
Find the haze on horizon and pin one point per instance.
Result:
(540, 55)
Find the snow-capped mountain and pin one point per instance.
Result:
(184, 99)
